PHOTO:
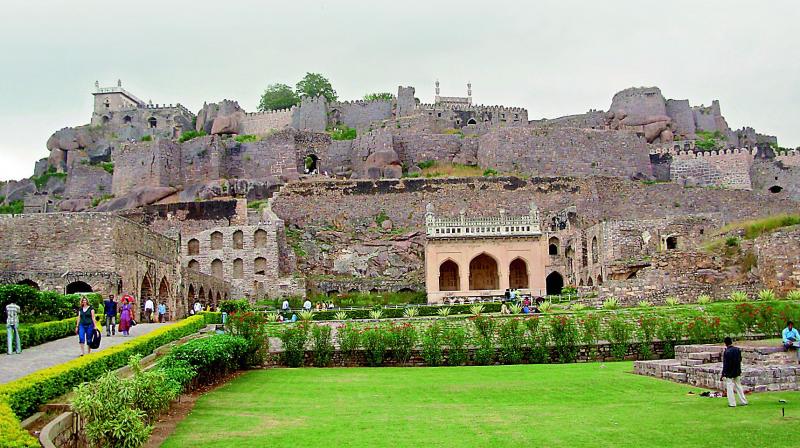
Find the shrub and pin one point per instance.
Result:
(484, 335)
(511, 336)
(31, 335)
(767, 321)
(146, 138)
(188, 135)
(611, 303)
(306, 315)
(672, 301)
(546, 306)
(349, 341)
(273, 317)
(537, 341)
(376, 313)
(703, 299)
(340, 315)
(374, 341)
(577, 307)
(646, 332)
(426, 164)
(252, 327)
(247, 138)
(767, 295)
(410, 311)
(456, 340)
(704, 329)
(432, 345)
(443, 311)
(793, 295)
(212, 357)
(591, 332)
(738, 296)
(732, 241)
(379, 96)
(488, 172)
(744, 317)
(234, 306)
(515, 308)
(476, 309)
(402, 340)
(564, 334)
(342, 132)
(670, 332)
(11, 433)
(321, 345)
(294, 338)
(618, 334)
(13, 208)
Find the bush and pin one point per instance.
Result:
(672, 301)
(42, 306)
(322, 345)
(379, 96)
(294, 339)
(564, 334)
(35, 334)
(484, 339)
(670, 332)
(511, 336)
(646, 333)
(537, 341)
(188, 135)
(546, 306)
(793, 295)
(234, 306)
(349, 341)
(146, 138)
(410, 311)
(456, 340)
(342, 132)
(611, 303)
(11, 433)
(488, 172)
(252, 327)
(374, 341)
(738, 296)
(767, 295)
(703, 299)
(644, 304)
(432, 345)
(744, 317)
(247, 138)
(212, 357)
(704, 329)
(13, 208)
(443, 311)
(618, 335)
(591, 333)
(402, 340)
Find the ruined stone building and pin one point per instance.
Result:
(272, 204)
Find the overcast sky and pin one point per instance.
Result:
(553, 57)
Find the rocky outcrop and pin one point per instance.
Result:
(383, 163)
(136, 198)
(220, 118)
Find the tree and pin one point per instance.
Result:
(277, 96)
(379, 96)
(313, 85)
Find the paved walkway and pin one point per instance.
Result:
(57, 352)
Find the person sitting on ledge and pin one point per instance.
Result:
(791, 339)
(526, 309)
(504, 308)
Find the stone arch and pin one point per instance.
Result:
(210, 299)
(201, 295)
(555, 283)
(163, 290)
(483, 273)
(310, 163)
(332, 292)
(589, 282)
(260, 239)
(218, 298)
(216, 269)
(78, 287)
(146, 289)
(29, 282)
(553, 245)
(238, 240)
(193, 265)
(152, 122)
(580, 282)
(595, 255)
(193, 247)
(671, 242)
(599, 280)
(518, 274)
(126, 119)
(190, 296)
(238, 268)
(775, 189)
(449, 279)
(471, 121)
(216, 240)
(260, 266)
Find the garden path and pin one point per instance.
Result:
(56, 352)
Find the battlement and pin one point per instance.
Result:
(491, 226)
(270, 112)
(694, 154)
(360, 102)
(178, 106)
(471, 108)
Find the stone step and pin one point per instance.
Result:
(692, 362)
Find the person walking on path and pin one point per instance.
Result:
(125, 317)
(149, 308)
(162, 312)
(731, 371)
(791, 339)
(110, 312)
(85, 325)
(307, 305)
(12, 326)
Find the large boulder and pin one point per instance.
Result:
(383, 163)
(17, 190)
(136, 198)
(220, 118)
(75, 205)
(69, 139)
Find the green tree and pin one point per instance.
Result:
(313, 85)
(277, 96)
(379, 96)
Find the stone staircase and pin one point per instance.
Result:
(763, 368)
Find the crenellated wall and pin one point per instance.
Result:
(265, 122)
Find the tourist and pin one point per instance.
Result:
(330, 305)
(85, 325)
(504, 308)
(791, 339)
(110, 313)
(285, 305)
(318, 306)
(198, 307)
(12, 326)
(162, 312)
(731, 370)
(507, 294)
(526, 309)
(307, 305)
(149, 308)
(126, 317)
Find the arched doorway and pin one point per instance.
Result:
(448, 276)
(552, 247)
(310, 163)
(589, 282)
(201, 296)
(193, 246)
(163, 291)
(216, 240)
(518, 274)
(483, 273)
(146, 293)
(471, 121)
(190, 298)
(78, 287)
(153, 122)
(260, 239)
(29, 282)
(671, 242)
(775, 189)
(238, 240)
(555, 283)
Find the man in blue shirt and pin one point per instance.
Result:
(110, 312)
(791, 338)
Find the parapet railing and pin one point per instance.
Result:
(526, 225)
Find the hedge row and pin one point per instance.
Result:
(31, 335)
(390, 313)
(25, 395)
(12, 435)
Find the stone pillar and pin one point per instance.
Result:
(463, 274)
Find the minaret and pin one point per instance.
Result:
(436, 98)
(469, 92)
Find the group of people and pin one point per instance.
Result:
(198, 307)
(529, 305)
(150, 311)
(308, 306)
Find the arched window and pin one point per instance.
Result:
(552, 247)
(191, 294)
(78, 287)
(672, 242)
(194, 265)
(260, 266)
(555, 283)
(163, 290)
(238, 240)
(29, 282)
(260, 239)
(152, 122)
(238, 268)
(193, 246)
(216, 268)
(589, 282)
(595, 255)
(471, 121)
(483, 273)
(216, 241)
(126, 119)
(518, 274)
(448, 276)
(201, 295)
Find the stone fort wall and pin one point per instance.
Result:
(265, 122)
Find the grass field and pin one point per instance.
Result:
(523, 405)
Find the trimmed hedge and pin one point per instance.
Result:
(25, 395)
(12, 435)
(391, 313)
(31, 335)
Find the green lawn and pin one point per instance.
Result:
(523, 405)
